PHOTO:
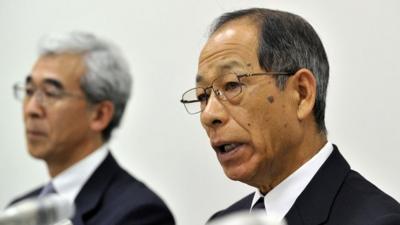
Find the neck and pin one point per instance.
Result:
(301, 154)
(61, 163)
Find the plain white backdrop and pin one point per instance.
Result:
(158, 141)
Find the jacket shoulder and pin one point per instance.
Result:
(25, 196)
(364, 203)
(127, 200)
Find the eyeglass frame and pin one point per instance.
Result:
(219, 92)
(42, 97)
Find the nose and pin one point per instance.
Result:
(214, 114)
(33, 106)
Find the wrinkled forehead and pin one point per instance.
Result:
(232, 48)
(64, 69)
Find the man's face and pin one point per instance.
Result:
(57, 124)
(254, 133)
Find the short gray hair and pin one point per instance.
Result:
(287, 43)
(107, 72)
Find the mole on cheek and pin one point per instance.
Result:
(285, 125)
(270, 99)
(248, 64)
(249, 124)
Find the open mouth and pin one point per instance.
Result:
(226, 148)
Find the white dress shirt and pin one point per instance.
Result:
(69, 183)
(281, 198)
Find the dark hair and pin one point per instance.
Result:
(287, 43)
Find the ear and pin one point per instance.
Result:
(101, 115)
(306, 87)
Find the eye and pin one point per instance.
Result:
(231, 86)
(202, 97)
(29, 91)
(52, 92)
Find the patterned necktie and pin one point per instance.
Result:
(259, 205)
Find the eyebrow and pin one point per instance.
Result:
(46, 81)
(199, 78)
(28, 79)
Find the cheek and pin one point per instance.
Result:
(56, 125)
(266, 120)
(271, 99)
(205, 128)
(243, 119)
(25, 112)
(66, 120)
(254, 123)
(256, 116)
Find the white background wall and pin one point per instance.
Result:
(162, 145)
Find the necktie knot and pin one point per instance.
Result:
(48, 189)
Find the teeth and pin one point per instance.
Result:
(229, 147)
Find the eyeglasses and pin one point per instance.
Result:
(225, 87)
(46, 95)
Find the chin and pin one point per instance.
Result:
(37, 152)
(244, 175)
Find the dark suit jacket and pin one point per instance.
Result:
(113, 197)
(336, 195)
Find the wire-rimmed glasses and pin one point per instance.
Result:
(45, 95)
(225, 87)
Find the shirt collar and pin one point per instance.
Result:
(69, 183)
(281, 198)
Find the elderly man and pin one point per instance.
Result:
(261, 90)
(72, 100)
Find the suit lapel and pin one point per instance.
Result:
(91, 193)
(242, 205)
(33, 194)
(312, 207)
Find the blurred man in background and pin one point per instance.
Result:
(260, 91)
(73, 99)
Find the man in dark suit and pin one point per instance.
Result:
(72, 100)
(260, 91)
